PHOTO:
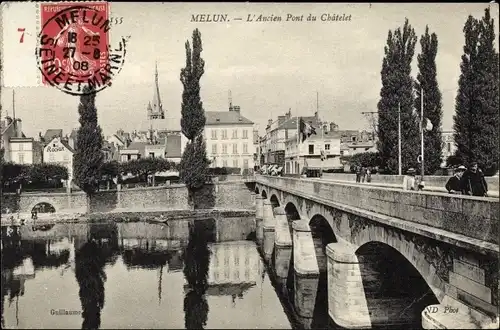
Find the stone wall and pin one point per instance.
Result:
(230, 195)
(430, 181)
(473, 217)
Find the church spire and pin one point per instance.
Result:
(157, 106)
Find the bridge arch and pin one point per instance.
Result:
(292, 212)
(275, 202)
(391, 279)
(264, 193)
(257, 190)
(44, 205)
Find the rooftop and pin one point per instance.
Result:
(50, 134)
(226, 118)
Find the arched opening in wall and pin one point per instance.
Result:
(257, 191)
(274, 201)
(43, 207)
(392, 286)
(264, 194)
(322, 235)
(291, 213)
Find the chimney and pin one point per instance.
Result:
(289, 114)
(19, 128)
(333, 127)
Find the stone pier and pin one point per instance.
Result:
(347, 305)
(354, 284)
(259, 215)
(282, 243)
(268, 229)
(306, 271)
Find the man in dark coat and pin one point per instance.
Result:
(473, 182)
(453, 185)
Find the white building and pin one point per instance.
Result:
(449, 146)
(58, 151)
(229, 139)
(18, 148)
(308, 153)
(233, 263)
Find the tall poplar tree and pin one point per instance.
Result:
(193, 168)
(427, 81)
(476, 119)
(397, 90)
(88, 158)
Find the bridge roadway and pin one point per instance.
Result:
(444, 248)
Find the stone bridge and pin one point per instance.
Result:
(392, 257)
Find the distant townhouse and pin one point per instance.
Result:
(17, 147)
(58, 151)
(449, 146)
(230, 140)
(307, 154)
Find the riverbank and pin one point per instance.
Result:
(155, 215)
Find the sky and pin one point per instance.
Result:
(270, 67)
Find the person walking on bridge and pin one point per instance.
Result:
(453, 185)
(409, 182)
(473, 182)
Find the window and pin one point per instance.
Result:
(245, 148)
(235, 149)
(152, 154)
(353, 139)
(224, 163)
(245, 163)
(224, 148)
(52, 157)
(449, 147)
(214, 134)
(245, 134)
(235, 133)
(214, 148)
(235, 163)
(224, 134)
(21, 157)
(327, 146)
(311, 149)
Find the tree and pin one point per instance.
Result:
(193, 168)
(476, 119)
(88, 157)
(397, 90)
(427, 81)
(143, 167)
(193, 116)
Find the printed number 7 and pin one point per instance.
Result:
(22, 35)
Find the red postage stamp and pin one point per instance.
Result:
(74, 45)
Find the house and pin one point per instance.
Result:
(449, 146)
(229, 137)
(135, 150)
(50, 134)
(17, 147)
(278, 132)
(174, 147)
(308, 153)
(58, 151)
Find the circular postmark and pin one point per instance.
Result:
(73, 50)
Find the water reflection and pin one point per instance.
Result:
(90, 260)
(84, 267)
(197, 260)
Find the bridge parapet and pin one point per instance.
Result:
(474, 217)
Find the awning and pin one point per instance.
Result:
(264, 168)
